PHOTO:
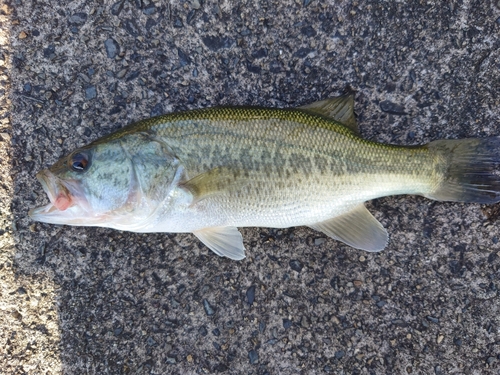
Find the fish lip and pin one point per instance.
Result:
(53, 186)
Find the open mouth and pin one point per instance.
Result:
(63, 207)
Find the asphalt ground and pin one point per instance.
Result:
(77, 300)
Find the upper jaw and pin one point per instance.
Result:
(55, 188)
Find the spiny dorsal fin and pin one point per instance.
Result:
(340, 108)
(223, 241)
(357, 228)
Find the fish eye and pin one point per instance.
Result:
(80, 162)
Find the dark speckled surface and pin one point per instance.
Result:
(299, 303)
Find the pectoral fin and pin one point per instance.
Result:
(340, 109)
(223, 241)
(220, 180)
(357, 228)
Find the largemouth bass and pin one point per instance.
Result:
(209, 171)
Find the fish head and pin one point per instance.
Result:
(116, 184)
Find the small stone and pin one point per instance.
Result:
(440, 339)
(250, 295)
(23, 35)
(432, 319)
(150, 341)
(259, 53)
(116, 8)
(357, 283)
(296, 265)
(209, 310)
(78, 19)
(178, 23)
(121, 73)
(216, 332)
(308, 31)
(203, 331)
(362, 258)
(287, 323)
(184, 59)
(112, 48)
(262, 327)
(253, 357)
(171, 361)
(149, 9)
(339, 354)
(117, 331)
(90, 93)
(215, 43)
(195, 4)
(189, 358)
(319, 241)
(393, 108)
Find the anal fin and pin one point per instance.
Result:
(357, 228)
(223, 241)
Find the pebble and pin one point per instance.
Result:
(287, 323)
(392, 108)
(195, 4)
(23, 35)
(440, 339)
(339, 354)
(90, 93)
(296, 265)
(319, 241)
(116, 8)
(432, 319)
(78, 19)
(121, 73)
(178, 23)
(130, 25)
(262, 327)
(215, 43)
(250, 295)
(260, 53)
(184, 59)
(209, 310)
(308, 31)
(253, 357)
(149, 9)
(112, 48)
(203, 331)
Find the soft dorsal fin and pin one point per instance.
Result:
(357, 228)
(223, 241)
(340, 108)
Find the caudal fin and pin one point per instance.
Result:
(469, 170)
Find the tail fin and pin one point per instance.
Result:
(469, 170)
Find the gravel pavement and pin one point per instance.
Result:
(98, 301)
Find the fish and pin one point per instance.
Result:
(210, 171)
